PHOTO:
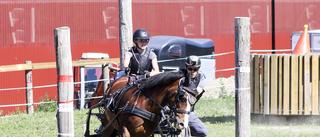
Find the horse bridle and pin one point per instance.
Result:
(178, 93)
(181, 91)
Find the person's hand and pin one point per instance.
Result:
(147, 73)
(200, 95)
(127, 70)
(199, 89)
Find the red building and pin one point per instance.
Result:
(26, 31)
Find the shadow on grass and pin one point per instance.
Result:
(214, 120)
(285, 119)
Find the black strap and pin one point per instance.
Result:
(182, 111)
(142, 113)
(117, 97)
(146, 95)
(121, 110)
(135, 102)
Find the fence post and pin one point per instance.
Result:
(242, 76)
(65, 82)
(29, 89)
(82, 88)
(105, 76)
(125, 21)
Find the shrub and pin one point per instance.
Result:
(47, 104)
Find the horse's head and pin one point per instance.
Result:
(169, 89)
(180, 107)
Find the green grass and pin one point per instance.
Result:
(217, 114)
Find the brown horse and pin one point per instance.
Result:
(138, 112)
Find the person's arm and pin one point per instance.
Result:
(201, 86)
(155, 67)
(126, 60)
(203, 81)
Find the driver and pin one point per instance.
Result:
(140, 59)
(197, 83)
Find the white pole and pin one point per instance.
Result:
(82, 87)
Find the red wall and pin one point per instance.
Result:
(26, 31)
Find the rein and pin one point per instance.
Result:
(149, 97)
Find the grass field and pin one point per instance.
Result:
(217, 114)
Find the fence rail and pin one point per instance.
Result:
(47, 65)
(285, 84)
(28, 67)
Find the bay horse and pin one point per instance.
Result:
(138, 111)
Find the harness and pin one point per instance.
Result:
(116, 97)
(146, 114)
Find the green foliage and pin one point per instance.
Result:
(223, 92)
(50, 106)
(17, 111)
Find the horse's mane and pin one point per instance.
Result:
(161, 79)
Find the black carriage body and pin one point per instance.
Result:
(164, 45)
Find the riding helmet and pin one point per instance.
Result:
(141, 34)
(193, 61)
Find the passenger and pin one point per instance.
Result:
(140, 60)
(91, 75)
(197, 83)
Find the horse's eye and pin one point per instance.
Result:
(183, 99)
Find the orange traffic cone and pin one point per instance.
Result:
(303, 46)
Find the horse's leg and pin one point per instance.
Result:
(123, 132)
(109, 132)
(114, 133)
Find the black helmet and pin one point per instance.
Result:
(193, 61)
(141, 34)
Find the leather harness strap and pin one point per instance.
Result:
(121, 110)
(117, 97)
(142, 113)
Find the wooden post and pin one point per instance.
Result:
(125, 21)
(82, 88)
(65, 82)
(29, 89)
(266, 84)
(242, 76)
(105, 76)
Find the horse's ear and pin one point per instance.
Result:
(187, 79)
